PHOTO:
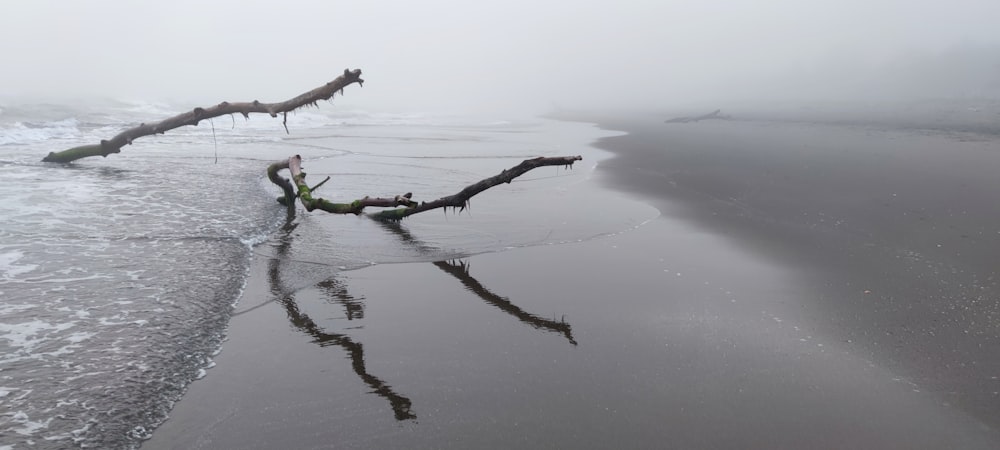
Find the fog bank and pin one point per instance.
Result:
(510, 56)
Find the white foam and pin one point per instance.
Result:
(69, 280)
(61, 351)
(10, 309)
(28, 427)
(22, 133)
(28, 335)
(79, 337)
(9, 270)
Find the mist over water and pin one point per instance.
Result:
(512, 56)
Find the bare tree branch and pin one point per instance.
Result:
(461, 199)
(289, 198)
(115, 144)
(410, 207)
(304, 194)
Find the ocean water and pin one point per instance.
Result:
(118, 275)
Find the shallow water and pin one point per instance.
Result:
(119, 275)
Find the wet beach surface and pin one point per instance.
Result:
(806, 286)
(892, 228)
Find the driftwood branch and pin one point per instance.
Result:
(294, 165)
(193, 117)
(458, 201)
(286, 186)
(717, 114)
(461, 199)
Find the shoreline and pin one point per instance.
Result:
(890, 227)
(676, 333)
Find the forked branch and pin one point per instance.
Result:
(409, 207)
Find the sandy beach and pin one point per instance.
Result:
(803, 286)
(888, 227)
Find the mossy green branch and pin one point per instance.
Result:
(305, 193)
(286, 186)
(410, 207)
(391, 215)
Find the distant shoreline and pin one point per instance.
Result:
(958, 115)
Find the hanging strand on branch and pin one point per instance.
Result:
(115, 144)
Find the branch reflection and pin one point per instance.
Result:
(400, 404)
(354, 309)
(460, 270)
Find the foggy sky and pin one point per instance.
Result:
(510, 55)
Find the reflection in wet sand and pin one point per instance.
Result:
(460, 270)
(400, 404)
(354, 309)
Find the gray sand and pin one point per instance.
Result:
(895, 231)
(806, 287)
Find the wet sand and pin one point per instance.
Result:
(805, 287)
(893, 229)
